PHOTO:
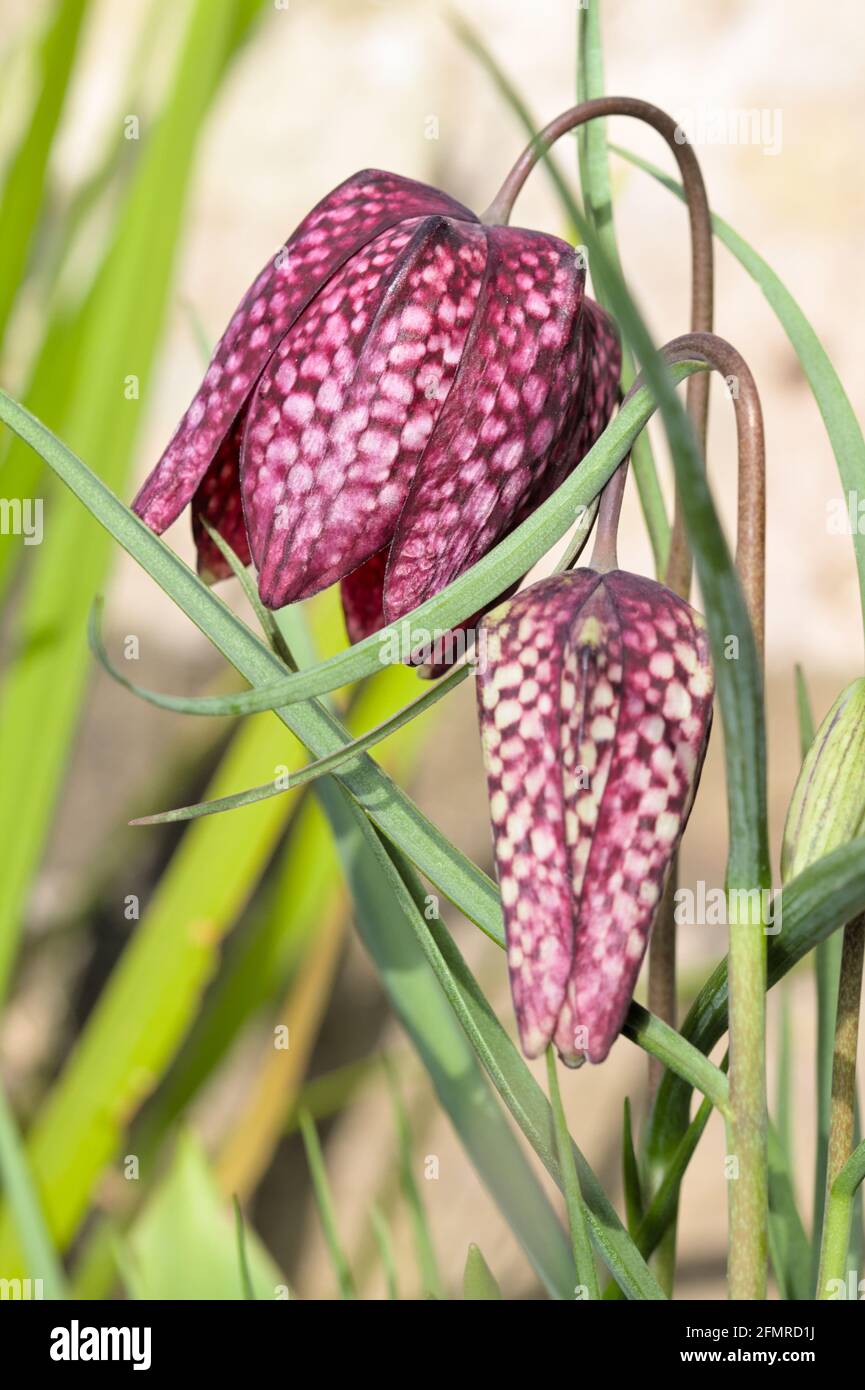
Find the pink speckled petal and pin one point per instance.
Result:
(503, 416)
(342, 223)
(519, 681)
(595, 707)
(660, 743)
(217, 500)
(344, 409)
(361, 593)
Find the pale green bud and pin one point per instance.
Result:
(827, 809)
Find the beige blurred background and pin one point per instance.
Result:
(329, 86)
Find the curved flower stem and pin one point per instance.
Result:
(702, 252)
(662, 954)
(841, 1118)
(584, 1260)
(747, 1127)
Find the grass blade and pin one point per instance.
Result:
(24, 185)
(381, 1234)
(324, 1202)
(598, 202)
(426, 1257)
(242, 1260)
(40, 1261)
(44, 687)
(479, 1282)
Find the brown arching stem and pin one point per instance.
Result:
(702, 253)
(662, 955)
(748, 1194)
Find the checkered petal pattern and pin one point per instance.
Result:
(595, 700)
(397, 390)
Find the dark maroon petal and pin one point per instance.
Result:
(343, 222)
(361, 593)
(503, 415)
(660, 742)
(519, 679)
(590, 408)
(344, 410)
(217, 500)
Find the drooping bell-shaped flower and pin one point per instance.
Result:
(595, 701)
(398, 388)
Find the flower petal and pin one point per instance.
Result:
(343, 222)
(590, 408)
(505, 412)
(217, 500)
(344, 409)
(660, 741)
(361, 593)
(519, 681)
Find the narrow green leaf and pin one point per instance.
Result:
(333, 762)
(518, 1089)
(40, 1259)
(44, 687)
(242, 1258)
(634, 1209)
(426, 1257)
(385, 1249)
(664, 1205)
(396, 934)
(479, 1282)
(827, 971)
(804, 713)
(660, 1040)
(324, 1203)
(597, 194)
(24, 185)
(789, 1248)
(584, 1260)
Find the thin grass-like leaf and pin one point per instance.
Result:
(426, 1257)
(333, 762)
(634, 1209)
(597, 194)
(395, 933)
(40, 1260)
(324, 1203)
(242, 1259)
(381, 1234)
(44, 686)
(24, 184)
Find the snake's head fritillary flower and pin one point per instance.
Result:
(595, 700)
(400, 385)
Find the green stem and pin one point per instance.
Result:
(587, 1276)
(843, 1103)
(836, 1234)
(747, 1127)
